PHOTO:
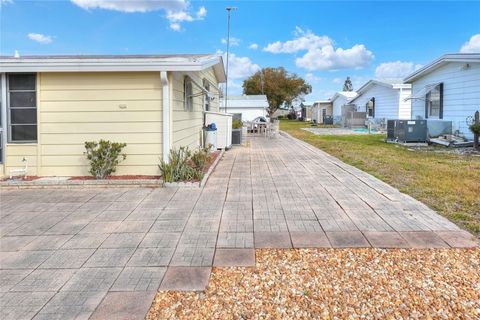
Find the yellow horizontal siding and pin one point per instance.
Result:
(79, 107)
(91, 117)
(14, 154)
(103, 81)
(76, 149)
(100, 106)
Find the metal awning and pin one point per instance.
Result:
(420, 95)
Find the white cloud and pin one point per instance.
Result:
(201, 13)
(253, 46)
(40, 38)
(234, 42)
(132, 5)
(239, 69)
(320, 53)
(177, 11)
(395, 69)
(175, 26)
(5, 2)
(311, 77)
(472, 45)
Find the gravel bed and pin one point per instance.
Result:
(336, 284)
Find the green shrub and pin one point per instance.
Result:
(104, 157)
(475, 128)
(237, 124)
(178, 167)
(199, 158)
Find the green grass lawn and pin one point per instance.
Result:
(448, 183)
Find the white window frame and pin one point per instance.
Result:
(206, 98)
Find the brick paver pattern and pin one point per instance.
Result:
(64, 250)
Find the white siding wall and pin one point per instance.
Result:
(461, 94)
(387, 102)
(405, 106)
(337, 106)
(248, 114)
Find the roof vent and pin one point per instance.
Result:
(17, 54)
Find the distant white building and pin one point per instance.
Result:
(447, 89)
(321, 110)
(249, 106)
(382, 100)
(339, 100)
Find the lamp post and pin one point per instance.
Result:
(229, 9)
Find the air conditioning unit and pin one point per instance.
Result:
(407, 130)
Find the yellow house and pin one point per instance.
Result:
(51, 105)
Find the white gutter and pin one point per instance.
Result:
(166, 115)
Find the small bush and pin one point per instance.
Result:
(104, 157)
(200, 157)
(178, 167)
(237, 124)
(475, 128)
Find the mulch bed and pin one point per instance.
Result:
(336, 284)
(123, 177)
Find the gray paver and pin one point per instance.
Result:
(72, 258)
(71, 305)
(23, 259)
(117, 257)
(92, 279)
(160, 240)
(139, 279)
(234, 258)
(50, 242)
(22, 305)
(9, 278)
(123, 240)
(44, 280)
(149, 257)
(86, 241)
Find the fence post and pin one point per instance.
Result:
(475, 135)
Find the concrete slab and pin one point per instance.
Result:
(347, 239)
(423, 240)
(276, 240)
(234, 258)
(124, 305)
(186, 279)
(458, 239)
(309, 239)
(385, 239)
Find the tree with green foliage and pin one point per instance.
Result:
(347, 86)
(280, 87)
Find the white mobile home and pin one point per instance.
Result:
(321, 109)
(249, 106)
(339, 100)
(384, 99)
(447, 89)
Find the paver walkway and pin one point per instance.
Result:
(103, 253)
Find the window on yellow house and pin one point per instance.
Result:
(188, 92)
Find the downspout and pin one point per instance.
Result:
(166, 115)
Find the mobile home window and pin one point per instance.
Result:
(433, 101)
(22, 107)
(188, 91)
(206, 86)
(371, 108)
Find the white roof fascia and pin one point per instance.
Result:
(451, 57)
(114, 64)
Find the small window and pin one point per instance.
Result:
(206, 98)
(22, 107)
(371, 108)
(188, 92)
(433, 101)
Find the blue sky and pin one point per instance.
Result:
(324, 42)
